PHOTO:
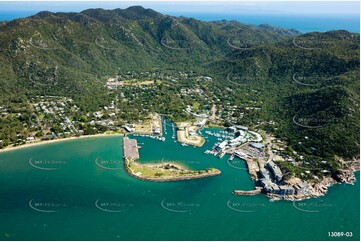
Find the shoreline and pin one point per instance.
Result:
(319, 189)
(44, 142)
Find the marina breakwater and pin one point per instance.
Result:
(158, 172)
(256, 191)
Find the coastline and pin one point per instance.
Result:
(44, 142)
(321, 188)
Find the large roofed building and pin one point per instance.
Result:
(276, 171)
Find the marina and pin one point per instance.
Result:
(160, 138)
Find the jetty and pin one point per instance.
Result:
(130, 149)
(256, 191)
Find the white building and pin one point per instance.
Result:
(30, 138)
(221, 146)
(201, 122)
(129, 129)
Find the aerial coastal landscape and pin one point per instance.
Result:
(114, 114)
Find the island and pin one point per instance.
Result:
(158, 172)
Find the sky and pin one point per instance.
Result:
(220, 7)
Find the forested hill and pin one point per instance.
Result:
(76, 47)
(300, 81)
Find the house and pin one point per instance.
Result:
(30, 138)
(129, 129)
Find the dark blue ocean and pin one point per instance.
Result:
(305, 23)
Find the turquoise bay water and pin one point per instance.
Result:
(90, 197)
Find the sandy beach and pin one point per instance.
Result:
(43, 142)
